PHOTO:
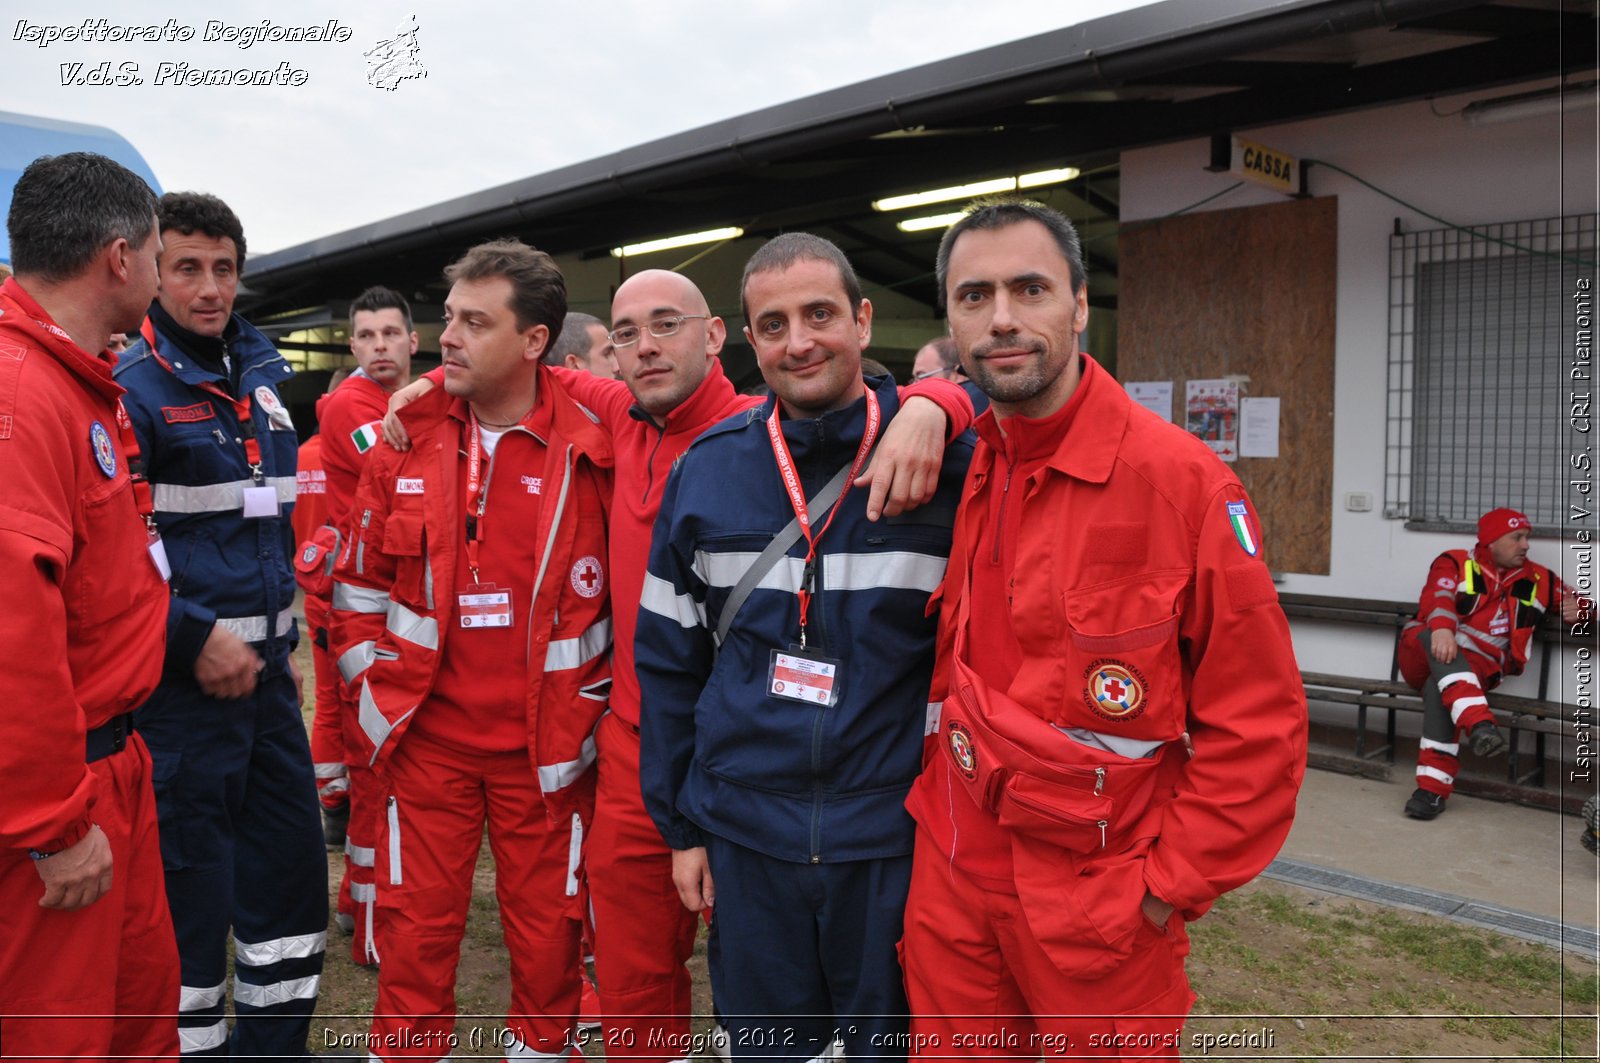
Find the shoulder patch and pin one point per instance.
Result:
(366, 436)
(1249, 585)
(1244, 528)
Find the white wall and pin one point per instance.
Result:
(1425, 154)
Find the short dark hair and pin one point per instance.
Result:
(945, 348)
(538, 291)
(202, 212)
(574, 338)
(999, 213)
(65, 208)
(783, 251)
(378, 297)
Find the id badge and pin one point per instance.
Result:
(484, 605)
(801, 676)
(260, 502)
(158, 557)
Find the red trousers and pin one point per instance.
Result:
(643, 935)
(436, 805)
(1453, 703)
(110, 970)
(980, 983)
(327, 733)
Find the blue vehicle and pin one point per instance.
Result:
(24, 138)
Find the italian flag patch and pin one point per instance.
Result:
(1243, 529)
(366, 437)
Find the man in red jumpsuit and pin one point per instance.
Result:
(383, 342)
(667, 344)
(88, 961)
(1474, 626)
(471, 602)
(1124, 731)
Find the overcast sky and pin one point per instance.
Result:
(506, 94)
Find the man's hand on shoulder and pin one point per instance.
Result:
(904, 473)
(394, 433)
(78, 875)
(227, 666)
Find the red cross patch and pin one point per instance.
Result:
(1114, 690)
(586, 576)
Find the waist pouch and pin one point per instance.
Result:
(1079, 797)
(313, 563)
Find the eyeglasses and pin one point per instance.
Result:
(660, 328)
(926, 373)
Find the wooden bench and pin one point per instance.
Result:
(1539, 716)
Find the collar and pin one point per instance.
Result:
(207, 351)
(1096, 418)
(841, 428)
(538, 420)
(702, 405)
(25, 317)
(1486, 565)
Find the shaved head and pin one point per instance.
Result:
(663, 371)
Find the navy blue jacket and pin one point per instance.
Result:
(224, 566)
(797, 782)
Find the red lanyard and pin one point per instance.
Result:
(143, 498)
(797, 496)
(241, 406)
(477, 494)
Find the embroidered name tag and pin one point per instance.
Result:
(408, 486)
(200, 411)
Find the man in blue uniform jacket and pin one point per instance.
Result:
(776, 759)
(241, 838)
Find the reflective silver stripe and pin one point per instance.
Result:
(373, 723)
(600, 691)
(1470, 678)
(1423, 771)
(328, 769)
(659, 598)
(419, 630)
(332, 787)
(892, 570)
(1444, 594)
(1449, 748)
(1499, 642)
(360, 855)
(192, 998)
(574, 855)
(930, 724)
(202, 1038)
(726, 569)
(395, 876)
(1449, 614)
(517, 1050)
(427, 580)
(254, 628)
(261, 953)
(354, 599)
(215, 498)
(564, 654)
(265, 996)
(1459, 709)
(362, 892)
(356, 659)
(554, 777)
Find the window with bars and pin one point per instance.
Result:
(1481, 333)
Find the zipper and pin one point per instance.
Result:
(361, 543)
(1000, 514)
(650, 465)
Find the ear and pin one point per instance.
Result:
(538, 338)
(413, 343)
(118, 257)
(716, 336)
(749, 337)
(1080, 316)
(864, 323)
(571, 361)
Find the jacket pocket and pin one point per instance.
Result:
(403, 540)
(1122, 654)
(1084, 911)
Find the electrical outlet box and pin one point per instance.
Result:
(1358, 502)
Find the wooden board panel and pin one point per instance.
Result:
(1247, 293)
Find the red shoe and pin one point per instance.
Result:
(589, 1005)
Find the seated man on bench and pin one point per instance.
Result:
(1474, 627)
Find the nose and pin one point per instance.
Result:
(448, 337)
(799, 341)
(1003, 319)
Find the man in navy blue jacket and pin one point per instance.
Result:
(776, 764)
(241, 835)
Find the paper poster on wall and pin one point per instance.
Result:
(1153, 395)
(1212, 408)
(1258, 428)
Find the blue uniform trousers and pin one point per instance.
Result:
(241, 841)
(806, 953)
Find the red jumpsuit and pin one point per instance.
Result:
(460, 688)
(349, 419)
(1492, 613)
(84, 632)
(1060, 785)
